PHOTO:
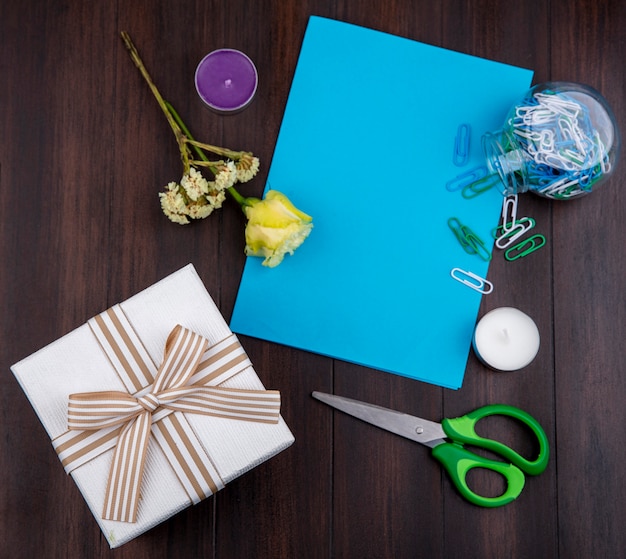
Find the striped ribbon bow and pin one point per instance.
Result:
(133, 417)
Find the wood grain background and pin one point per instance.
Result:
(83, 151)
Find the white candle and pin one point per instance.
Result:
(506, 339)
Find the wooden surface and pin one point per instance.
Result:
(83, 152)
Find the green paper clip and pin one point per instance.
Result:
(470, 241)
(459, 232)
(535, 242)
(476, 188)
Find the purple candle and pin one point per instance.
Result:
(226, 80)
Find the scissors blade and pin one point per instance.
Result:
(417, 429)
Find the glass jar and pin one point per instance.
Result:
(560, 141)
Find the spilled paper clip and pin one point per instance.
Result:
(472, 280)
(499, 230)
(514, 232)
(509, 212)
(461, 145)
(465, 179)
(476, 188)
(519, 250)
(470, 241)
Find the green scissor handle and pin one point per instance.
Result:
(458, 461)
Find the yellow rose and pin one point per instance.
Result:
(275, 227)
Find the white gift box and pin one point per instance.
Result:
(78, 363)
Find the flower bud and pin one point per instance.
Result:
(275, 227)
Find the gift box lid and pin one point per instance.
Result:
(78, 363)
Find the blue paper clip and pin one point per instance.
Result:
(519, 251)
(461, 145)
(465, 179)
(472, 280)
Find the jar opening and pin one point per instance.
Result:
(507, 163)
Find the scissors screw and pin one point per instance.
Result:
(419, 430)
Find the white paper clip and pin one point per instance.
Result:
(509, 213)
(519, 228)
(472, 280)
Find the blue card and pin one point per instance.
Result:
(366, 148)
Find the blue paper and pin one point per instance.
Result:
(366, 147)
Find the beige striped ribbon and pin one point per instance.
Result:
(187, 382)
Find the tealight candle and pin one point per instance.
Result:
(226, 80)
(506, 339)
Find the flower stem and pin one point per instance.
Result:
(199, 146)
(224, 152)
(178, 133)
(174, 114)
(196, 146)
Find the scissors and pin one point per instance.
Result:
(447, 440)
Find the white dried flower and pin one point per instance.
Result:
(226, 176)
(247, 167)
(195, 184)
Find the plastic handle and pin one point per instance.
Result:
(458, 462)
(462, 430)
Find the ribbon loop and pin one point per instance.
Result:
(170, 394)
(97, 410)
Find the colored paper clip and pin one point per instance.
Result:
(461, 145)
(514, 232)
(477, 245)
(476, 188)
(509, 212)
(472, 280)
(467, 178)
(470, 241)
(519, 251)
(459, 231)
